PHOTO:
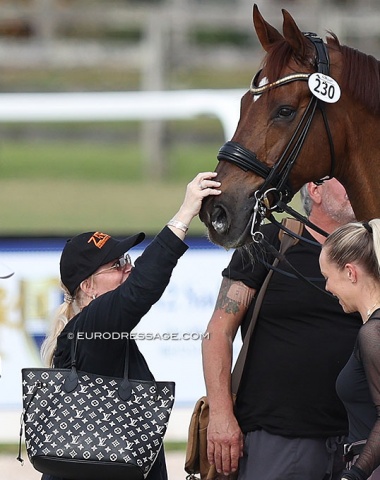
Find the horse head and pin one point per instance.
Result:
(294, 127)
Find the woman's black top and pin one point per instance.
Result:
(358, 385)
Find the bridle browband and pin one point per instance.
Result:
(276, 177)
(278, 83)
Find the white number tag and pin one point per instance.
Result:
(324, 87)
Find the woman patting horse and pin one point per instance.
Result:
(104, 292)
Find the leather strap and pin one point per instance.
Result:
(286, 242)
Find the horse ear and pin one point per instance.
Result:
(266, 34)
(294, 36)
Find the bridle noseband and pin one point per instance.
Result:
(276, 177)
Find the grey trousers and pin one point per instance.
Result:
(273, 457)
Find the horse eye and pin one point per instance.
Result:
(285, 112)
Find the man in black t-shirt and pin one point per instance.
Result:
(287, 422)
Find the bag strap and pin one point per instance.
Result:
(287, 241)
(71, 381)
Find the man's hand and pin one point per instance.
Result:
(224, 442)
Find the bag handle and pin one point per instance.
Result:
(286, 241)
(72, 379)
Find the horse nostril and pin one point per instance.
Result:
(219, 220)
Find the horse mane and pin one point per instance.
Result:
(360, 75)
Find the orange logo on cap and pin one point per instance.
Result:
(99, 239)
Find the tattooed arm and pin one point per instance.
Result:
(225, 439)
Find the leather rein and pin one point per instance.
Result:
(276, 178)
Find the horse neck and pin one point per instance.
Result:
(358, 167)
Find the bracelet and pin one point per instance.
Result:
(177, 224)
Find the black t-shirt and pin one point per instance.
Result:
(301, 341)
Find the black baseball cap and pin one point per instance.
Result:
(85, 253)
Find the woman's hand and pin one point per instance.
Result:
(201, 187)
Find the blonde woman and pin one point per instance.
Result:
(105, 294)
(350, 263)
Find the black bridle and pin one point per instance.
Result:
(276, 178)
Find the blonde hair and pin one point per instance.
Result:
(356, 242)
(71, 306)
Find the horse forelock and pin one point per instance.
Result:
(278, 58)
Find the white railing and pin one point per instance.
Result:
(118, 106)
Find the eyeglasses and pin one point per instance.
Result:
(119, 265)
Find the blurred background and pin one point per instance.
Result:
(107, 109)
(122, 167)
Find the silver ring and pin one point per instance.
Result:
(201, 186)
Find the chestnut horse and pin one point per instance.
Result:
(312, 111)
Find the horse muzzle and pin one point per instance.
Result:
(225, 227)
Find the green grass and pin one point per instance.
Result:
(51, 183)
(45, 207)
(59, 188)
(118, 163)
(97, 79)
(12, 448)
(70, 161)
(175, 446)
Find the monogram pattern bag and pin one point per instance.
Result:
(88, 426)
